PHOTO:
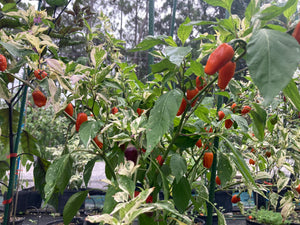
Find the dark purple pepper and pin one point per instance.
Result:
(131, 153)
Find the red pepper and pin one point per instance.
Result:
(182, 107)
(69, 109)
(218, 58)
(3, 63)
(81, 117)
(296, 32)
(218, 181)
(200, 83)
(190, 94)
(226, 73)
(39, 98)
(208, 159)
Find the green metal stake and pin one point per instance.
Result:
(151, 32)
(173, 17)
(212, 186)
(13, 150)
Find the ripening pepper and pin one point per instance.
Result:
(218, 58)
(251, 162)
(69, 109)
(39, 98)
(99, 143)
(200, 83)
(139, 111)
(228, 123)
(235, 199)
(225, 74)
(190, 94)
(3, 63)
(199, 143)
(40, 74)
(181, 107)
(298, 189)
(296, 32)
(114, 110)
(218, 181)
(208, 159)
(245, 109)
(160, 160)
(221, 115)
(81, 117)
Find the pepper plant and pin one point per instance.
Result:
(157, 123)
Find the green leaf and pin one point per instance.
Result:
(149, 42)
(197, 68)
(178, 166)
(169, 40)
(88, 169)
(291, 10)
(223, 93)
(100, 76)
(14, 51)
(4, 92)
(270, 126)
(163, 65)
(184, 31)
(109, 202)
(185, 142)
(292, 93)
(73, 205)
(39, 172)
(167, 206)
(98, 55)
(271, 54)
(282, 183)
(259, 117)
(88, 130)
(274, 11)
(161, 117)
(225, 170)
(251, 10)
(126, 184)
(223, 3)
(241, 121)
(8, 7)
(203, 114)
(177, 54)
(241, 165)
(58, 175)
(181, 194)
(29, 144)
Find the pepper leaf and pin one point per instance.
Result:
(272, 58)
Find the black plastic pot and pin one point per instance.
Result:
(199, 221)
(18, 221)
(75, 221)
(223, 200)
(26, 199)
(260, 201)
(63, 199)
(204, 218)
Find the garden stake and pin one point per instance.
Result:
(212, 185)
(173, 17)
(151, 32)
(13, 150)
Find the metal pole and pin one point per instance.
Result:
(173, 17)
(151, 32)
